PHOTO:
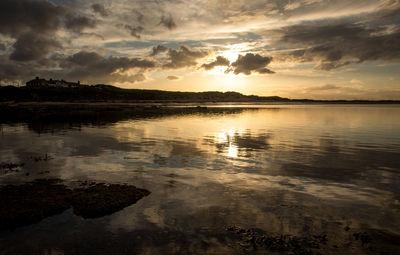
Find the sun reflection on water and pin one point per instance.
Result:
(232, 151)
(227, 137)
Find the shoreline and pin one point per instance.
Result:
(188, 103)
(111, 94)
(113, 111)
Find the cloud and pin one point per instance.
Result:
(32, 46)
(292, 6)
(356, 81)
(88, 67)
(183, 57)
(251, 63)
(329, 65)
(327, 34)
(158, 49)
(40, 16)
(93, 67)
(139, 16)
(34, 25)
(324, 87)
(21, 16)
(99, 8)
(337, 45)
(220, 61)
(168, 22)
(173, 78)
(10, 69)
(21, 70)
(108, 64)
(84, 58)
(135, 30)
(78, 23)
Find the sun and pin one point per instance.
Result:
(231, 55)
(220, 75)
(220, 71)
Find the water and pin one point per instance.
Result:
(298, 170)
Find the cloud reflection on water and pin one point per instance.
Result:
(291, 170)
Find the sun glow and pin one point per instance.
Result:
(221, 70)
(225, 79)
(231, 55)
(227, 137)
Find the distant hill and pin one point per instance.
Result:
(100, 93)
(106, 93)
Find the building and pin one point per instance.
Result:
(37, 82)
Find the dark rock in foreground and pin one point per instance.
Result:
(101, 199)
(282, 244)
(29, 203)
(367, 241)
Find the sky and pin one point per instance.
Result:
(317, 49)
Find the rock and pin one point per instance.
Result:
(101, 199)
(31, 202)
(286, 244)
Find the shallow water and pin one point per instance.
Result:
(299, 170)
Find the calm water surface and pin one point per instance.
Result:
(298, 170)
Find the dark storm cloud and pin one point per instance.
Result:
(158, 49)
(34, 24)
(79, 23)
(390, 14)
(20, 16)
(318, 34)
(220, 61)
(2, 46)
(251, 63)
(168, 22)
(183, 57)
(9, 70)
(90, 66)
(107, 64)
(84, 58)
(33, 46)
(21, 70)
(99, 8)
(338, 45)
(40, 16)
(135, 30)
